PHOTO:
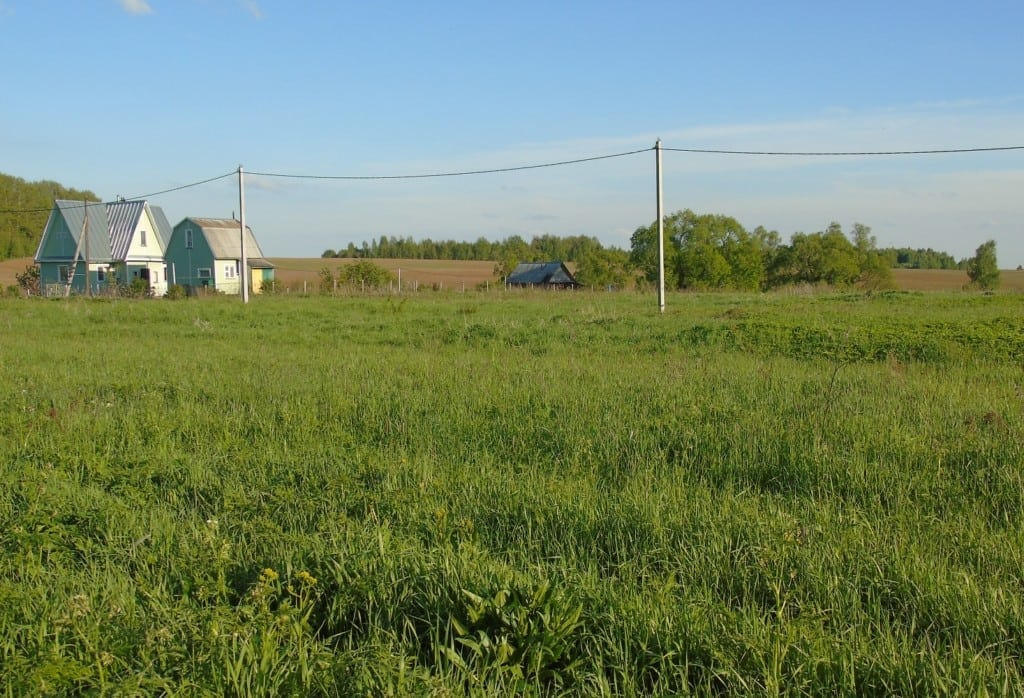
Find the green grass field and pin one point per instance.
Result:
(508, 493)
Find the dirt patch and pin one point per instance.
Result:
(446, 273)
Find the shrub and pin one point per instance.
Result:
(175, 292)
(28, 280)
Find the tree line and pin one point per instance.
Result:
(713, 251)
(540, 248)
(24, 208)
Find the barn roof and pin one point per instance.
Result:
(541, 273)
(225, 242)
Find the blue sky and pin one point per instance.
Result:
(127, 97)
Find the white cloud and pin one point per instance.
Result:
(136, 7)
(253, 8)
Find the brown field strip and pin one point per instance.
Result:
(292, 271)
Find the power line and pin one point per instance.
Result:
(453, 174)
(835, 153)
(131, 198)
(465, 173)
(184, 186)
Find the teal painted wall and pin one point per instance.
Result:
(58, 241)
(186, 262)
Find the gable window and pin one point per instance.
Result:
(188, 238)
(204, 272)
(142, 238)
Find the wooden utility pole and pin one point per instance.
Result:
(78, 249)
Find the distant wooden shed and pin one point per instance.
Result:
(542, 274)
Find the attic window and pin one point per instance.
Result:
(142, 238)
(188, 238)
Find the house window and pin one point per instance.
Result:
(156, 277)
(142, 238)
(204, 272)
(101, 274)
(64, 273)
(188, 238)
(229, 271)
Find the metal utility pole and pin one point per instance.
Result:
(661, 232)
(241, 225)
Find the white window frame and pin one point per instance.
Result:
(204, 273)
(142, 238)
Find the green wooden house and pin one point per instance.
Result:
(206, 253)
(102, 245)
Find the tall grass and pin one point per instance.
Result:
(540, 494)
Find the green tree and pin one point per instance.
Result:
(875, 270)
(601, 268)
(982, 268)
(643, 250)
(24, 208)
(825, 257)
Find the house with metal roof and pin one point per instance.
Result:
(95, 246)
(542, 274)
(206, 253)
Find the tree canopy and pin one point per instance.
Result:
(713, 251)
(24, 208)
(982, 268)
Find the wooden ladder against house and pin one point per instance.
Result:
(78, 250)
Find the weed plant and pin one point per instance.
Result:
(497, 494)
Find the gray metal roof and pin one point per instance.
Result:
(163, 226)
(124, 218)
(223, 237)
(541, 273)
(74, 213)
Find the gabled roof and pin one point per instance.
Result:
(124, 219)
(74, 214)
(163, 226)
(541, 273)
(224, 240)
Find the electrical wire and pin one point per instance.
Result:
(465, 173)
(453, 174)
(836, 153)
(131, 198)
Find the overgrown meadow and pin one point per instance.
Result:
(505, 493)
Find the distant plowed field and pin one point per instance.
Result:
(453, 274)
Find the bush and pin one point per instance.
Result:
(365, 273)
(272, 287)
(139, 288)
(175, 292)
(28, 280)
